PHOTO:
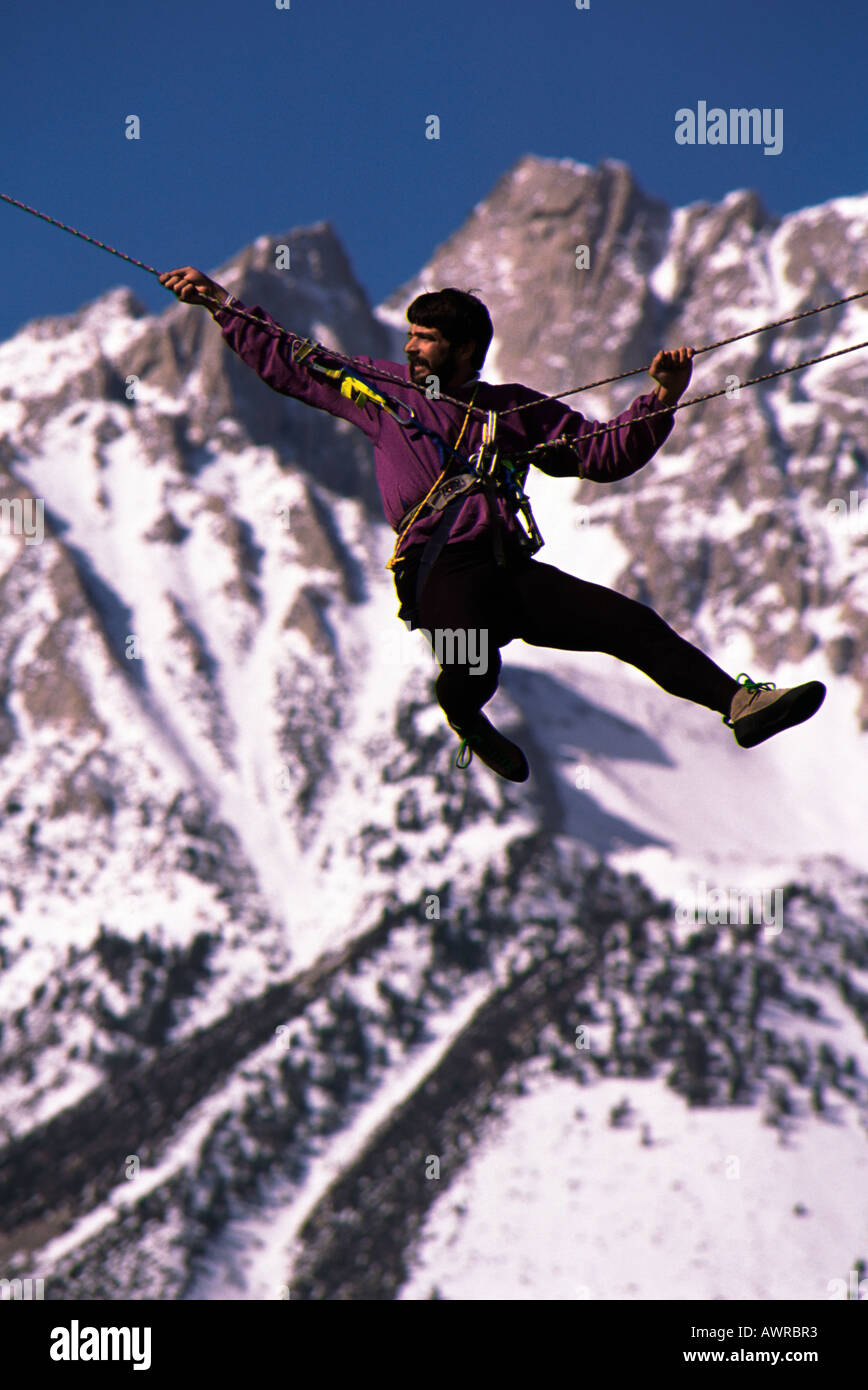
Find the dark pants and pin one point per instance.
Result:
(465, 590)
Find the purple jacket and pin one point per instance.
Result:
(407, 467)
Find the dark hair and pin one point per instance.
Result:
(459, 316)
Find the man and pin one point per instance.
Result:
(466, 566)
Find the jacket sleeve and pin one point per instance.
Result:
(608, 457)
(270, 354)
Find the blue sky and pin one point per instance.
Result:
(256, 119)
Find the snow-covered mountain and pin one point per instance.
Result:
(291, 1006)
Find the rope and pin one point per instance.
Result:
(682, 405)
(540, 400)
(93, 241)
(721, 342)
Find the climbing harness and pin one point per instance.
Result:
(445, 497)
(436, 493)
(354, 387)
(505, 478)
(492, 476)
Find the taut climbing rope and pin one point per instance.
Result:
(540, 400)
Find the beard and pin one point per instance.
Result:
(445, 370)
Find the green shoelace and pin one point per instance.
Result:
(753, 687)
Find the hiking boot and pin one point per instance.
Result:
(479, 736)
(759, 710)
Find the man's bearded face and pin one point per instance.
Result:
(428, 353)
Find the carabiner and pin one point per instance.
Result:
(393, 400)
